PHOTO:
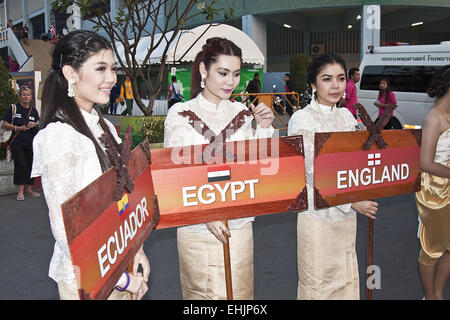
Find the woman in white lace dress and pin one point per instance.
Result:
(326, 254)
(215, 74)
(68, 154)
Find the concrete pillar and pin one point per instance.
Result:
(256, 28)
(47, 9)
(25, 16)
(370, 27)
(307, 42)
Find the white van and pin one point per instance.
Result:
(409, 70)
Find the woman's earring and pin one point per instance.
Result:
(314, 94)
(70, 91)
(202, 83)
(343, 96)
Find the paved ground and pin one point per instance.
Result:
(26, 246)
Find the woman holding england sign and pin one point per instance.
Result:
(215, 74)
(68, 153)
(326, 256)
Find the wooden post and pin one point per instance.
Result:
(369, 258)
(227, 262)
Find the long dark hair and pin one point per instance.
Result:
(440, 83)
(318, 63)
(72, 50)
(387, 91)
(210, 51)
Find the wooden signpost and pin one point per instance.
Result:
(267, 176)
(344, 172)
(103, 233)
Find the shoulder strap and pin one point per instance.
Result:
(13, 113)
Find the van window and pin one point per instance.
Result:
(401, 78)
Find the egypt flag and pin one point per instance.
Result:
(122, 206)
(219, 173)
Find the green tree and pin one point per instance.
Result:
(7, 97)
(7, 93)
(135, 19)
(298, 68)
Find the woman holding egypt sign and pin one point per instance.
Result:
(215, 74)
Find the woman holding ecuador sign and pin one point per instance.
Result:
(215, 74)
(68, 154)
(326, 256)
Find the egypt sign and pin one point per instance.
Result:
(344, 172)
(266, 176)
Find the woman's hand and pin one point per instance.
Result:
(217, 228)
(263, 114)
(137, 287)
(367, 208)
(20, 128)
(31, 124)
(141, 259)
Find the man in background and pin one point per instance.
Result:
(174, 92)
(254, 86)
(289, 87)
(128, 94)
(350, 91)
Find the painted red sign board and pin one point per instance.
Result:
(344, 172)
(104, 235)
(267, 176)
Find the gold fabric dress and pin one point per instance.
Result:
(433, 204)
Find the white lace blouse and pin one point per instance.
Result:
(178, 132)
(67, 162)
(319, 118)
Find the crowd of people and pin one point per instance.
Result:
(68, 155)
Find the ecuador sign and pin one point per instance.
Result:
(104, 235)
(344, 172)
(266, 176)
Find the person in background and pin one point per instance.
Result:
(113, 96)
(127, 92)
(254, 86)
(350, 91)
(433, 199)
(23, 121)
(174, 92)
(289, 87)
(386, 98)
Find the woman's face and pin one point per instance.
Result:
(94, 79)
(25, 97)
(222, 77)
(330, 84)
(383, 85)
